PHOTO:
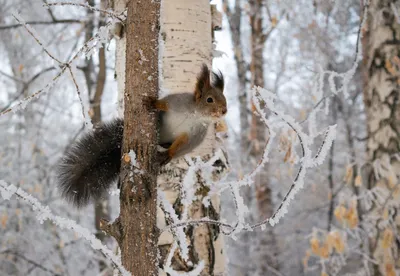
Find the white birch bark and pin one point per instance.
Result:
(381, 98)
(120, 56)
(186, 40)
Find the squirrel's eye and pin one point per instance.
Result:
(210, 100)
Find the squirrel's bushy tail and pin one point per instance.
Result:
(92, 164)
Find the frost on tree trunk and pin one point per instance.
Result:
(186, 44)
(266, 247)
(381, 97)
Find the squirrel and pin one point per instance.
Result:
(92, 164)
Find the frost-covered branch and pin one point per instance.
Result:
(110, 13)
(35, 35)
(85, 109)
(88, 49)
(44, 213)
(179, 234)
(168, 269)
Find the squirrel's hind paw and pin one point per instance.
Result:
(163, 158)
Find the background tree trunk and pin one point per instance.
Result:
(266, 246)
(381, 97)
(97, 77)
(102, 208)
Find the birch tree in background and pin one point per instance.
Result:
(186, 35)
(381, 98)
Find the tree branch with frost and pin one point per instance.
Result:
(110, 13)
(88, 49)
(168, 269)
(35, 35)
(172, 216)
(347, 76)
(44, 213)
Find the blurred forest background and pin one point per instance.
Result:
(317, 56)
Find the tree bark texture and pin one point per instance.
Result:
(381, 98)
(135, 229)
(186, 44)
(266, 242)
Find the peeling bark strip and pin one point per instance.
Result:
(381, 97)
(137, 220)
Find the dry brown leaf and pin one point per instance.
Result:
(358, 181)
(349, 174)
(4, 220)
(274, 21)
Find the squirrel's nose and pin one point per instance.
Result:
(224, 111)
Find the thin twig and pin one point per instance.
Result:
(60, 21)
(79, 93)
(36, 264)
(30, 31)
(22, 104)
(44, 213)
(109, 13)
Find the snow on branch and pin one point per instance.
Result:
(179, 234)
(87, 50)
(347, 76)
(35, 35)
(168, 269)
(110, 13)
(44, 213)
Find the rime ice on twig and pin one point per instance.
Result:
(88, 49)
(110, 13)
(23, 103)
(85, 109)
(44, 213)
(168, 269)
(179, 234)
(347, 76)
(35, 35)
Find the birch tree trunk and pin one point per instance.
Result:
(381, 97)
(266, 248)
(187, 43)
(135, 229)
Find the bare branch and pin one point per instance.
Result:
(31, 32)
(109, 13)
(35, 264)
(84, 111)
(26, 84)
(60, 21)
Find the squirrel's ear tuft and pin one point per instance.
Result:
(203, 81)
(218, 80)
